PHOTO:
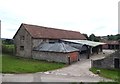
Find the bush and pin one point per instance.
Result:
(10, 49)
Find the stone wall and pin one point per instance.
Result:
(23, 38)
(50, 56)
(37, 42)
(107, 62)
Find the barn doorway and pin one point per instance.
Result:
(116, 63)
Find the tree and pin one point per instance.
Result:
(86, 36)
(113, 37)
(7, 41)
(92, 37)
(118, 36)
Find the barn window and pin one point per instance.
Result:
(21, 47)
(22, 37)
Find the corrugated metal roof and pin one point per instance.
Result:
(79, 46)
(86, 42)
(55, 47)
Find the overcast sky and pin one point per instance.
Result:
(86, 16)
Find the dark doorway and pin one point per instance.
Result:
(116, 63)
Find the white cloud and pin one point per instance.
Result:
(86, 16)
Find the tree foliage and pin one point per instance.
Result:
(7, 41)
(92, 37)
(86, 36)
(113, 37)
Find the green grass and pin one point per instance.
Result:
(108, 73)
(12, 64)
(107, 83)
(0, 63)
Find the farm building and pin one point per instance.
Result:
(28, 37)
(109, 62)
(86, 48)
(58, 52)
(111, 45)
(38, 42)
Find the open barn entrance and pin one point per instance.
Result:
(116, 63)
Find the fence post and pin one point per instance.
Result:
(69, 60)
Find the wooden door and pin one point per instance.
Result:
(116, 63)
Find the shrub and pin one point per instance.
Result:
(8, 49)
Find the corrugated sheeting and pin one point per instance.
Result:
(55, 47)
(81, 47)
(86, 42)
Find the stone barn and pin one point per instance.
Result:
(28, 37)
(109, 62)
(58, 52)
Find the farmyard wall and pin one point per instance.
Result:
(107, 62)
(50, 56)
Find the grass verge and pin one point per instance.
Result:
(12, 64)
(108, 73)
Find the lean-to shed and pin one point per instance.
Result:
(58, 52)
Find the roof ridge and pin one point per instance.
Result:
(63, 44)
(50, 33)
(50, 27)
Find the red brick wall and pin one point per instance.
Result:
(73, 56)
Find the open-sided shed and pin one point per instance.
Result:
(90, 47)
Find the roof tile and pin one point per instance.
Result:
(52, 33)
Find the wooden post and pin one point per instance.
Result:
(79, 56)
(97, 49)
(88, 53)
(114, 47)
(69, 60)
(101, 48)
(119, 43)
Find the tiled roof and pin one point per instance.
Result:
(52, 33)
(111, 42)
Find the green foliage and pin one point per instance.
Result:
(7, 41)
(0, 62)
(12, 64)
(86, 36)
(114, 37)
(10, 49)
(92, 37)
